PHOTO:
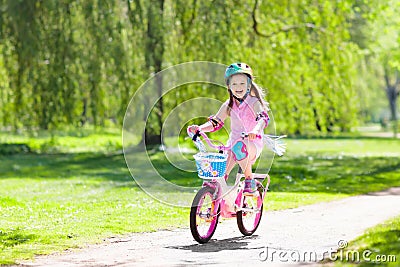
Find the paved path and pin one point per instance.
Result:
(308, 230)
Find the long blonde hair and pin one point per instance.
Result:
(255, 90)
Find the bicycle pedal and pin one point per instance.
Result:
(250, 194)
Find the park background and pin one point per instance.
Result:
(68, 70)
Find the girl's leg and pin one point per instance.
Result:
(246, 165)
(229, 164)
(252, 154)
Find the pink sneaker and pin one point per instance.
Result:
(250, 186)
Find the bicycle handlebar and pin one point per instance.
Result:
(221, 147)
(205, 137)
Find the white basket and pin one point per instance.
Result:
(210, 165)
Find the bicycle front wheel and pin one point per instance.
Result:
(203, 218)
(249, 216)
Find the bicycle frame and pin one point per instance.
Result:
(229, 198)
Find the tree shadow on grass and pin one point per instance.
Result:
(13, 238)
(311, 173)
(90, 166)
(64, 166)
(349, 175)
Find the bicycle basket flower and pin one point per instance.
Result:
(214, 173)
(205, 165)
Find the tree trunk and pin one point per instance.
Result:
(392, 97)
(154, 59)
(392, 92)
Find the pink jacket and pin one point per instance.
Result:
(243, 119)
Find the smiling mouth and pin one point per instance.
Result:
(239, 92)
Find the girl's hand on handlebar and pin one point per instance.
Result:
(252, 136)
(193, 129)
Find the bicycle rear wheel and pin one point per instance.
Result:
(249, 217)
(203, 218)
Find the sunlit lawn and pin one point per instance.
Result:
(49, 202)
(378, 246)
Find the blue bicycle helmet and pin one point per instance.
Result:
(236, 68)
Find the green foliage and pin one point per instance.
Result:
(9, 149)
(374, 28)
(72, 62)
(61, 67)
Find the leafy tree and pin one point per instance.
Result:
(375, 29)
(73, 62)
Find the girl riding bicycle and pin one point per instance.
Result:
(248, 112)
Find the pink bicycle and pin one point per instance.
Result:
(216, 198)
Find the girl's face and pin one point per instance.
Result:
(238, 85)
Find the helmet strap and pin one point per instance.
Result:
(240, 99)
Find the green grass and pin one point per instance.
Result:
(345, 174)
(362, 146)
(379, 244)
(77, 141)
(53, 201)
